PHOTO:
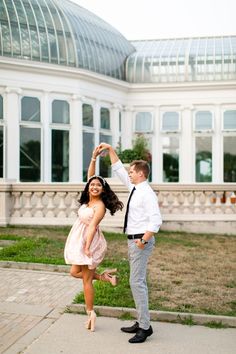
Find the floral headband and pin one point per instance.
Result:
(95, 176)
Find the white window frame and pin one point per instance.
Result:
(222, 122)
(202, 131)
(33, 124)
(177, 131)
(150, 131)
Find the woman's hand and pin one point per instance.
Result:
(87, 252)
(95, 153)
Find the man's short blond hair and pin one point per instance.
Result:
(141, 165)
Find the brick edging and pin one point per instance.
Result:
(35, 266)
(162, 316)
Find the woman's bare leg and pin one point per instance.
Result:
(88, 276)
(76, 271)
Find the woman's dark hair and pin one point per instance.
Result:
(108, 197)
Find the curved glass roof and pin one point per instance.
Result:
(181, 60)
(61, 32)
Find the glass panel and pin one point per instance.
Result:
(60, 112)
(30, 155)
(170, 159)
(1, 107)
(105, 118)
(30, 109)
(170, 121)
(203, 120)
(60, 156)
(203, 159)
(87, 115)
(143, 122)
(1, 152)
(88, 146)
(230, 159)
(230, 120)
(104, 162)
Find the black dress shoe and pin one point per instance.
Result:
(132, 329)
(141, 335)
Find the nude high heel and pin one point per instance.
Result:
(90, 324)
(105, 276)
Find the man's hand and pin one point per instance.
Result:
(139, 244)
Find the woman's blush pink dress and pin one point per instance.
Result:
(75, 243)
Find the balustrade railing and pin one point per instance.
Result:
(57, 204)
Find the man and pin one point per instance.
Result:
(142, 220)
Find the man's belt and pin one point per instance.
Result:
(135, 236)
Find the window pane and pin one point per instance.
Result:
(170, 121)
(1, 107)
(87, 115)
(203, 159)
(30, 156)
(60, 156)
(203, 120)
(60, 112)
(170, 159)
(143, 122)
(230, 120)
(30, 109)
(230, 159)
(105, 118)
(104, 162)
(88, 146)
(1, 152)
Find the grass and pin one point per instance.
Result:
(191, 273)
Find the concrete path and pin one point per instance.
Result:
(32, 321)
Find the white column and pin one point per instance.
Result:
(217, 148)
(97, 120)
(12, 117)
(157, 164)
(186, 158)
(76, 139)
(127, 131)
(46, 159)
(115, 125)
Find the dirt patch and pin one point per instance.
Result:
(190, 273)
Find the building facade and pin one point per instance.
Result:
(69, 80)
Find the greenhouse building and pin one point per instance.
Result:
(69, 80)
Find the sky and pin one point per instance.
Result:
(153, 19)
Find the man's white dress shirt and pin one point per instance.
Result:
(144, 213)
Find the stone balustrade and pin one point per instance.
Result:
(195, 207)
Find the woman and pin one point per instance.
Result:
(86, 246)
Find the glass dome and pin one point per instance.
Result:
(181, 60)
(61, 32)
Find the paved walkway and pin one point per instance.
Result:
(32, 321)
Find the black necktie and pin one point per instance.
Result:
(127, 210)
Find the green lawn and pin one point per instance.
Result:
(187, 272)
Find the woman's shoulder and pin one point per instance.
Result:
(99, 205)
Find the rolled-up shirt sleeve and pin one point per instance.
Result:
(152, 212)
(122, 174)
